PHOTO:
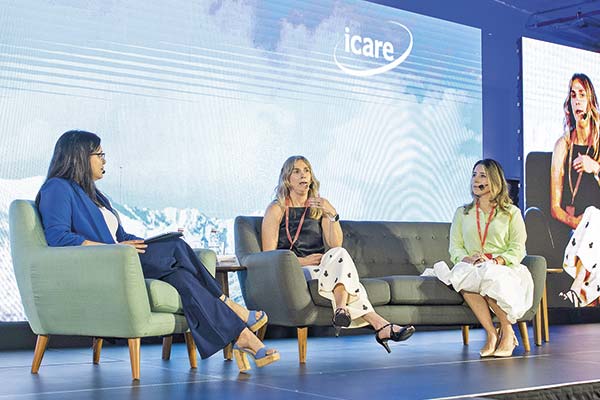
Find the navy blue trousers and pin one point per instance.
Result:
(212, 323)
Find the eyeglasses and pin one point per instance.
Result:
(101, 155)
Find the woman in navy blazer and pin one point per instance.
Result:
(75, 213)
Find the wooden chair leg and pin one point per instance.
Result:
(166, 348)
(524, 336)
(544, 302)
(465, 334)
(134, 356)
(97, 348)
(302, 339)
(537, 326)
(228, 352)
(191, 349)
(38, 353)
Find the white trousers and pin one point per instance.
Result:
(337, 267)
(511, 287)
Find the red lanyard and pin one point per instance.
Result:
(574, 191)
(487, 225)
(287, 223)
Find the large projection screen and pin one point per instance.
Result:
(547, 71)
(198, 103)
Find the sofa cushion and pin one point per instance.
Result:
(406, 289)
(378, 292)
(163, 297)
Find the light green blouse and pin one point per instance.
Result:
(506, 236)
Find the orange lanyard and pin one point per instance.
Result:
(287, 223)
(483, 238)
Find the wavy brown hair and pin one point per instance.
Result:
(282, 191)
(497, 183)
(570, 123)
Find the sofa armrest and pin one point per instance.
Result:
(275, 283)
(537, 268)
(88, 290)
(208, 258)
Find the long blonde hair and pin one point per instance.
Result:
(497, 184)
(282, 190)
(594, 115)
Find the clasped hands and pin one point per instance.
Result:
(476, 258)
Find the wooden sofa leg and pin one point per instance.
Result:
(191, 349)
(166, 348)
(302, 338)
(134, 356)
(97, 348)
(524, 336)
(465, 334)
(38, 353)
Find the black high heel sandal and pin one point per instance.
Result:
(571, 296)
(341, 319)
(396, 336)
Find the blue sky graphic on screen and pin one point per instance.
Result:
(198, 103)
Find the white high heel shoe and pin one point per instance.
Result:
(507, 352)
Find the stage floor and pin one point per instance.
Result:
(430, 365)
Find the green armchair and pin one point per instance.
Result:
(96, 291)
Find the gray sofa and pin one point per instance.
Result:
(389, 257)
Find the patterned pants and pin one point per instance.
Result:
(337, 267)
(582, 258)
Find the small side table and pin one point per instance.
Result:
(222, 275)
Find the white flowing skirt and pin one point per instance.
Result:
(337, 267)
(584, 249)
(511, 287)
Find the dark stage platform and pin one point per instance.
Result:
(430, 365)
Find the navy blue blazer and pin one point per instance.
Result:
(69, 215)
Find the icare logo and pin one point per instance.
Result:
(374, 49)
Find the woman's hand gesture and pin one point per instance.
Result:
(139, 245)
(313, 259)
(585, 163)
(323, 204)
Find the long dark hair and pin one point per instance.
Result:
(71, 161)
(594, 113)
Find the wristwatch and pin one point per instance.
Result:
(335, 218)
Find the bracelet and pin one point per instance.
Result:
(335, 218)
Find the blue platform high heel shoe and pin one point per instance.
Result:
(253, 323)
(261, 358)
(397, 336)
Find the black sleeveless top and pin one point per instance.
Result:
(589, 190)
(310, 240)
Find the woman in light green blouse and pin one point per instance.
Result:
(487, 244)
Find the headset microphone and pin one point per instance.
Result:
(584, 116)
(481, 187)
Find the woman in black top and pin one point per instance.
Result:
(574, 180)
(301, 221)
